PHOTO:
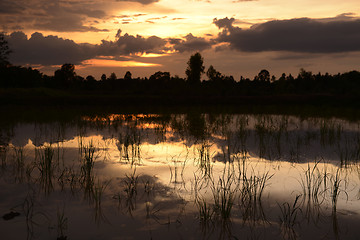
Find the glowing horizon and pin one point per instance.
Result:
(167, 32)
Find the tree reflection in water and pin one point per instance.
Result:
(212, 176)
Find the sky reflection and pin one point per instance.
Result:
(231, 175)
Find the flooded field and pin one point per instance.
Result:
(180, 176)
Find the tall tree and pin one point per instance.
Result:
(212, 74)
(195, 68)
(65, 75)
(103, 77)
(128, 75)
(263, 76)
(113, 76)
(4, 50)
(160, 78)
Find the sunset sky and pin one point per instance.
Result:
(237, 37)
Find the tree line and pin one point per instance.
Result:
(162, 83)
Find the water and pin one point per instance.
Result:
(180, 176)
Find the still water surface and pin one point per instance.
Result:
(181, 176)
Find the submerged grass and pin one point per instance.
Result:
(62, 224)
(46, 168)
(236, 194)
(98, 191)
(335, 189)
(87, 170)
(3, 156)
(129, 145)
(289, 218)
(204, 160)
(314, 183)
(223, 196)
(250, 197)
(19, 164)
(131, 190)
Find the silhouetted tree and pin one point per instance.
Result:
(195, 68)
(283, 77)
(263, 76)
(65, 75)
(305, 75)
(160, 78)
(4, 50)
(212, 74)
(127, 75)
(113, 76)
(90, 78)
(103, 77)
(20, 77)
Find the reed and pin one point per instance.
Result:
(250, 196)
(131, 183)
(206, 215)
(288, 218)
(253, 186)
(335, 189)
(223, 196)
(131, 189)
(62, 224)
(46, 168)
(86, 170)
(19, 163)
(313, 183)
(149, 187)
(98, 191)
(3, 156)
(129, 145)
(31, 215)
(204, 160)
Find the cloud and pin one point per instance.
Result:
(10, 7)
(145, 2)
(128, 44)
(47, 50)
(71, 23)
(59, 16)
(68, 18)
(53, 50)
(339, 34)
(225, 23)
(190, 44)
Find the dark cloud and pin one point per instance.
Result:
(60, 16)
(225, 23)
(190, 44)
(128, 44)
(340, 17)
(294, 35)
(140, 1)
(10, 7)
(140, 14)
(68, 18)
(47, 50)
(52, 50)
(72, 23)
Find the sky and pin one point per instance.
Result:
(237, 37)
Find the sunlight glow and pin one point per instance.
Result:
(114, 63)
